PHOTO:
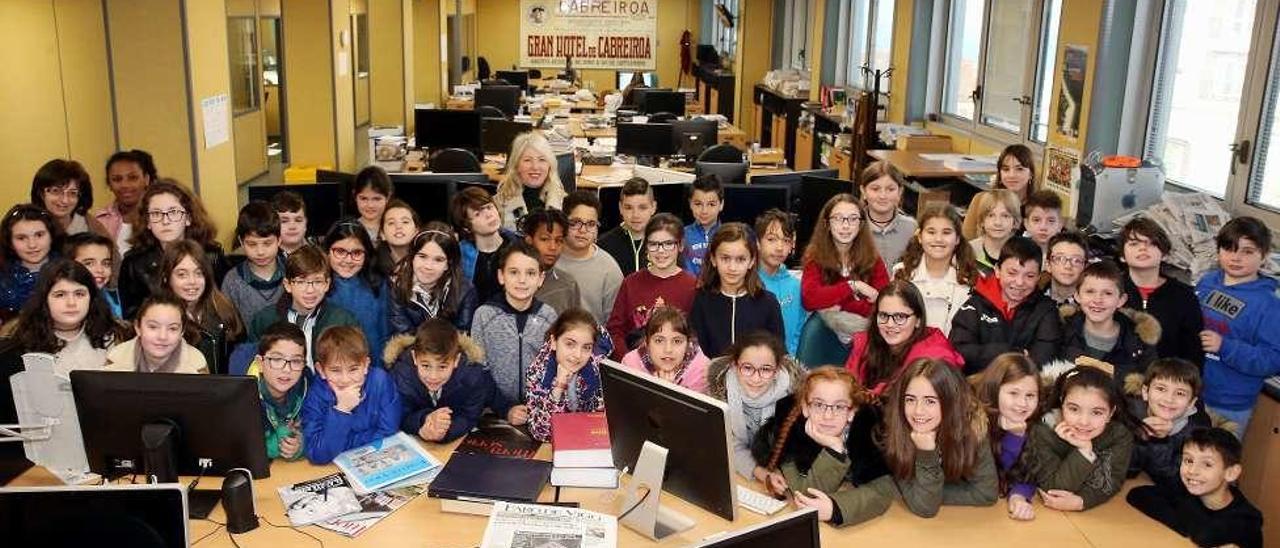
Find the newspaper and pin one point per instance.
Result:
(373, 507)
(1192, 221)
(318, 499)
(514, 525)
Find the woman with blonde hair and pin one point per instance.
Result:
(531, 181)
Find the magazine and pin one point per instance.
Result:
(514, 525)
(373, 507)
(318, 499)
(495, 437)
(388, 462)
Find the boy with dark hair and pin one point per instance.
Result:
(1068, 253)
(306, 282)
(1165, 400)
(355, 405)
(776, 231)
(480, 234)
(441, 379)
(1171, 301)
(258, 281)
(706, 201)
(292, 212)
(1206, 508)
(597, 274)
(1241, 337)
(545, 230)
(1042, 217)
(1098, 333)
(283, 382)
(625, 242)
(1005, 313)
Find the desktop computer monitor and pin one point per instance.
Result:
(504, 98)
(662, 101)
(743, 203)
(798, 529)
(794, 178)
(809, 196)
(325, 201)
(694, 136)
(427, 196)
(567, 169)
(645, 140)
(195, 424)
(672, 198)
(518, 78)
(638, 95)
(731, 173)
(690, 426)
(498, 134)
(144, 515)
(440, 128)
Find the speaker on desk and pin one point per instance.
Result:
(237, 501)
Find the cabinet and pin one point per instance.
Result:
(1261, 479)
(778, 118)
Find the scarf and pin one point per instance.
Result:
(689, 353)
(169, 366)
(759, 407)
(425, 298)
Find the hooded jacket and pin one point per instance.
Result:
(510, 340)
(406, 316)
(1246, 316)
(1174, 305)
(985, 327)
(1135, 347)
(466, 393)
(933, 345)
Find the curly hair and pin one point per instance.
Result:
(34, 326)
(962, 257)
(201, 229)
(858, 394)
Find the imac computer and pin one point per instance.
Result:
(646, 142)
(662, 101)
(442, 128)
(517, 78)
(142, 515)
(499, 134)
(730, 173)
(798, 529)
(694, 136)
(504, 98)
(670, 438)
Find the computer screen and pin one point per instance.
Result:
(663, 101)
(798, 529)
(624, 79)
(142, 515)
(324, 202)
(645, 140)
(672, 198)
(814, 192)
(734, 174)
(504, 98)
(440, 128)
(638, 94)
(498, 134)
(689, 425)
(694, 136)
(743, 203)
(518, 78)
(218, 419)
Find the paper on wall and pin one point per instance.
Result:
(215, 111)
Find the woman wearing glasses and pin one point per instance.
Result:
(172, 214)
(63, 189)
(899, 337)
(283, 379)
(752, 377)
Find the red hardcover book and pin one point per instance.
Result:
(580, 440)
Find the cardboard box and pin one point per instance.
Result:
(925, 143)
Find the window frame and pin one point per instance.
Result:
(254, 69)
(1261, 69)
(849, 71)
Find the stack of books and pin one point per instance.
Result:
(495, 462)
(581, 454)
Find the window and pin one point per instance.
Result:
(242, 45)
(1049, 25)
(724, 27)
(882, 41)
(865, 35)
(964, 33)
(1264, 184)
(794, 23)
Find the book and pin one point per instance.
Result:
(525, 525)
(580, 440)
(373, 508)
(496, 437)
(388, 462)
(606, 478)
(318, 499)
(481, 477)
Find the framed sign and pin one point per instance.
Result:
(597, 34)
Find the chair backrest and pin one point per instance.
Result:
(730, 173)
(482, 69)
(722, 153)
(662, 118)
(567, 171)
(454, 160)
(490, 111)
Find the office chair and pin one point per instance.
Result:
(722, 153)
(566, 169)
(490, 111)
(662, 118)
(454, 160)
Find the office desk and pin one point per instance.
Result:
(730, 134)
(587, 180)
(421, 523)
(913, 166)
(467, 103)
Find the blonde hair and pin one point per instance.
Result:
(532, 141)
(982, 205)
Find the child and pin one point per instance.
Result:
(596, 273)
(822, 437)
(1211, 511)
(283, 383)
(1068, 255)
(545, 230)
(306, 283)
(158, 346)
(1006, 313)
(1042, 217)
(776, 232)
(940, 265)
(357, 404)
(731, 300)
(1100, 333)
(881, 187)
(900, 336)
(399, 225)
(29, 235)
(751, 377)
(513, 325)
(706, 201)
(1165, 401)
(212, 316)
(97, 253)
(1170, 300)
(1017, 171)
(661, 283)
(441, 379)
(625, 243)
(531, 181)
(429, 283)
(293, 220)
(63, 189)
(1241, 338)
(1009, 390)
(992, 218)
(357, 285)
(842, 268)
(479, 227)
(258, 282)
(669, 350)
(1078, 456)
(564, 376)
(66, 317)
(172, 214)
(129, 172)
(370, 192)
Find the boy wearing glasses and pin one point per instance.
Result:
(1096, 332)
(442, 382)
(1172, 302)
(306, 283)
(479, 225)
(545, 230)
(283, 380)
(1068, 255)
(625, 243)
(597, 274)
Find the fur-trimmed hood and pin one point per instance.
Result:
(1146, 326)
(718, 367)
(400, 343)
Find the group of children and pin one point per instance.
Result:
(391, 323)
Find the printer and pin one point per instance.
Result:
(1104, 193)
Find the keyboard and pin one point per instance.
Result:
(758, 502)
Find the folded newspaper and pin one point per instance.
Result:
(514, 525)
(1192, 221)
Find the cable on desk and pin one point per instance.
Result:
(210, 533)
(295, 529)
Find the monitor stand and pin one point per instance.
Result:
(646, 515)
(160, 462)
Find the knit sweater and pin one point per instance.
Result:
(718, 319)
(329, 431)
(559, 290)
(637, 298)
(250, 293)
(892, 240)
(510, 339)
(598, 278)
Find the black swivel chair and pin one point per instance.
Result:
(490, 111)
(454, 160)
(722, 153)
(535, 74)
(567, 171)
(662, 118)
